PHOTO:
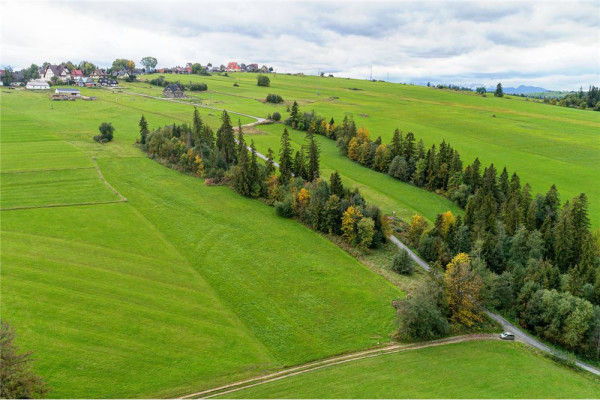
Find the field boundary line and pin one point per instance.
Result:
(315, 365)
(108, 185)
(90, 203)
(24, 171)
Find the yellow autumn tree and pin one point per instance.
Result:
(198, 165)
(463, 286)
(324, 128)
(362, 135)
(353, 149)
(417, 227)
(447, 221)
(364, 152)
(350, 220)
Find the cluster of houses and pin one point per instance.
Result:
(100, 77)
(232, 66)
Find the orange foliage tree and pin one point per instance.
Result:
(463, 287)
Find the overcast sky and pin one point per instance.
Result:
(553, 44)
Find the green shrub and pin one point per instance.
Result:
(106, 132)
(263, 80)
(274, 98)
(276, 116)
(402, 263)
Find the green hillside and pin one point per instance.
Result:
(180, 288)
(545, 144)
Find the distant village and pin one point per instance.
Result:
(48, 75)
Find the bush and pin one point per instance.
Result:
(263, 80)
(284, 209)
(106, 132)
(276, 116)
(274, 98)
(421, 316)
(402, 263)
(197, 87)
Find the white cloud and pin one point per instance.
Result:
(552, 44)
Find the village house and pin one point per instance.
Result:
(76, 73)
(87, 82)
(99, 73)
(107, 82)
(173, 91)
(37, 85)
(233, 66)
(252, 67)
(60, 71)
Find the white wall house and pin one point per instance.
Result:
(55, 70)
(37, 85)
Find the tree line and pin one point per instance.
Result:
(194, 87)
(296, 191)
(519, 243)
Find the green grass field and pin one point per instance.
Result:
(461, 370)
(545, 144)
(181, 288)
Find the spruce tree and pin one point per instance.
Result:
(226, 140)
(143, 130)
(499, 92)
(255, 178)
(552, 203)
(270, 166)
(581, 222)
(285, 158)
(312, 166)
(336, 186)
(397, 144)
(564, 239)
(196, 128)
(294, 115)
(409, 146)
(243, 184)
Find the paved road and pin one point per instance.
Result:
(507, 326)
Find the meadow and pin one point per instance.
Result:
(184, 286)
(175, 290)
(545, 144)
(461, 370)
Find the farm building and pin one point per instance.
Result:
(68, 92)
(173, 91)
(37, 85)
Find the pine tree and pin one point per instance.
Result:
(143, 129)
(333, 215)
(196, 128)
(335, 185)
(270, 164)
(499, 92)
(300, 164)
(581, 223)
(312, 166)
(243, 183)
(409, 146)
(226, 140)
(208, 137)
(397, 144)
(241, 142)
(255, 178)
(552, 203)
(285, 158)
(503, 186)
(295, 115)
(564, 239)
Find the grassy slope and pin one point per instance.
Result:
(544, 144)
(176, 290)
(463, 370)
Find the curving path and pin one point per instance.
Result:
(301, 369)
(507, 326)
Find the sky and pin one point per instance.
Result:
(552, 44)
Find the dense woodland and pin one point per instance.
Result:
(528, 256)
(533, 253)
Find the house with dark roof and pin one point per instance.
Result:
(99, 73)
(68, 92)
(107, 82)
(59, 71)
(173, 91)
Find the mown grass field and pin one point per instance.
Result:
(183, 287)
(461, 370)
(545, 144)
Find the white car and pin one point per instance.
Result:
(507, 336)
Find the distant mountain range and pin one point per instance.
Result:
(521, 89)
